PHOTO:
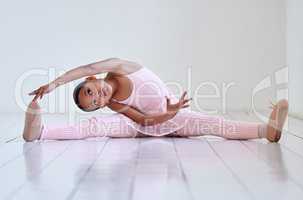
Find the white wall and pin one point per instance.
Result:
(239, 41)
(295, 55)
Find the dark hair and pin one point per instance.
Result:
(76, 96)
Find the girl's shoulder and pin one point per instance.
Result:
(111, 75)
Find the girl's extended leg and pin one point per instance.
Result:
(114, 125)
(197, 124)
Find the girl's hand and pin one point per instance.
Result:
(45, 89)
(174, 108)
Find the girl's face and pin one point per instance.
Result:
(95, 94)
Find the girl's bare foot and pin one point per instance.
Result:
(32, 127)
(276, 121)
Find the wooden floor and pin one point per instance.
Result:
(151, 168)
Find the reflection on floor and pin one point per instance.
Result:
(151, 168)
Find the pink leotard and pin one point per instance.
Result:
(148, 92)
(149, 96)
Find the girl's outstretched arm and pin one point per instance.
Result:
(150, 119)
(139, 117)
(114, 65)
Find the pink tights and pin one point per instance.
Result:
(192, 124)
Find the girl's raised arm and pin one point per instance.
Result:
(114, 65)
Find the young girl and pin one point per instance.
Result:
(144, 106)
